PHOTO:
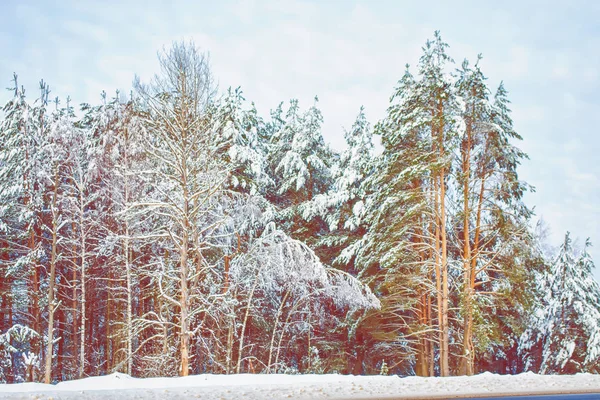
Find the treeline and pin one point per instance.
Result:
(177, 231)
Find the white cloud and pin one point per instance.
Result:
(519, 62)
(590, 74)
(529, 113)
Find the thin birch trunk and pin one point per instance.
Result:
(74, 305)
(83, 283)
(129, 302)
(127, 262)
(51, 306)
(280, 341)
(279, 311)
(242, 333)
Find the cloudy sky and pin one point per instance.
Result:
(349, 53)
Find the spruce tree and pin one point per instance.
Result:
(342, 207)
(238, 139)
(563, 333)
(302, 167)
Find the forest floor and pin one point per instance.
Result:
(331, 386)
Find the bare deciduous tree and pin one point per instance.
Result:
(188, 178)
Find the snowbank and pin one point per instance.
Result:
(248, 386)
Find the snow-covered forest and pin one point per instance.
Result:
(175, 230)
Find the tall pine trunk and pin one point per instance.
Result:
(468, 356)
(444, 366)
(438, 275)
(442, 259)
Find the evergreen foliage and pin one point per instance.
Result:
(177, 231)
(563, 335)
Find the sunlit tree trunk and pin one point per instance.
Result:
(466, 364)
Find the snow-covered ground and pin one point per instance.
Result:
(247, 386)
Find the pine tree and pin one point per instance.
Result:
(493, 218)
(473, 92)
(407, 243)
(495, 221)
